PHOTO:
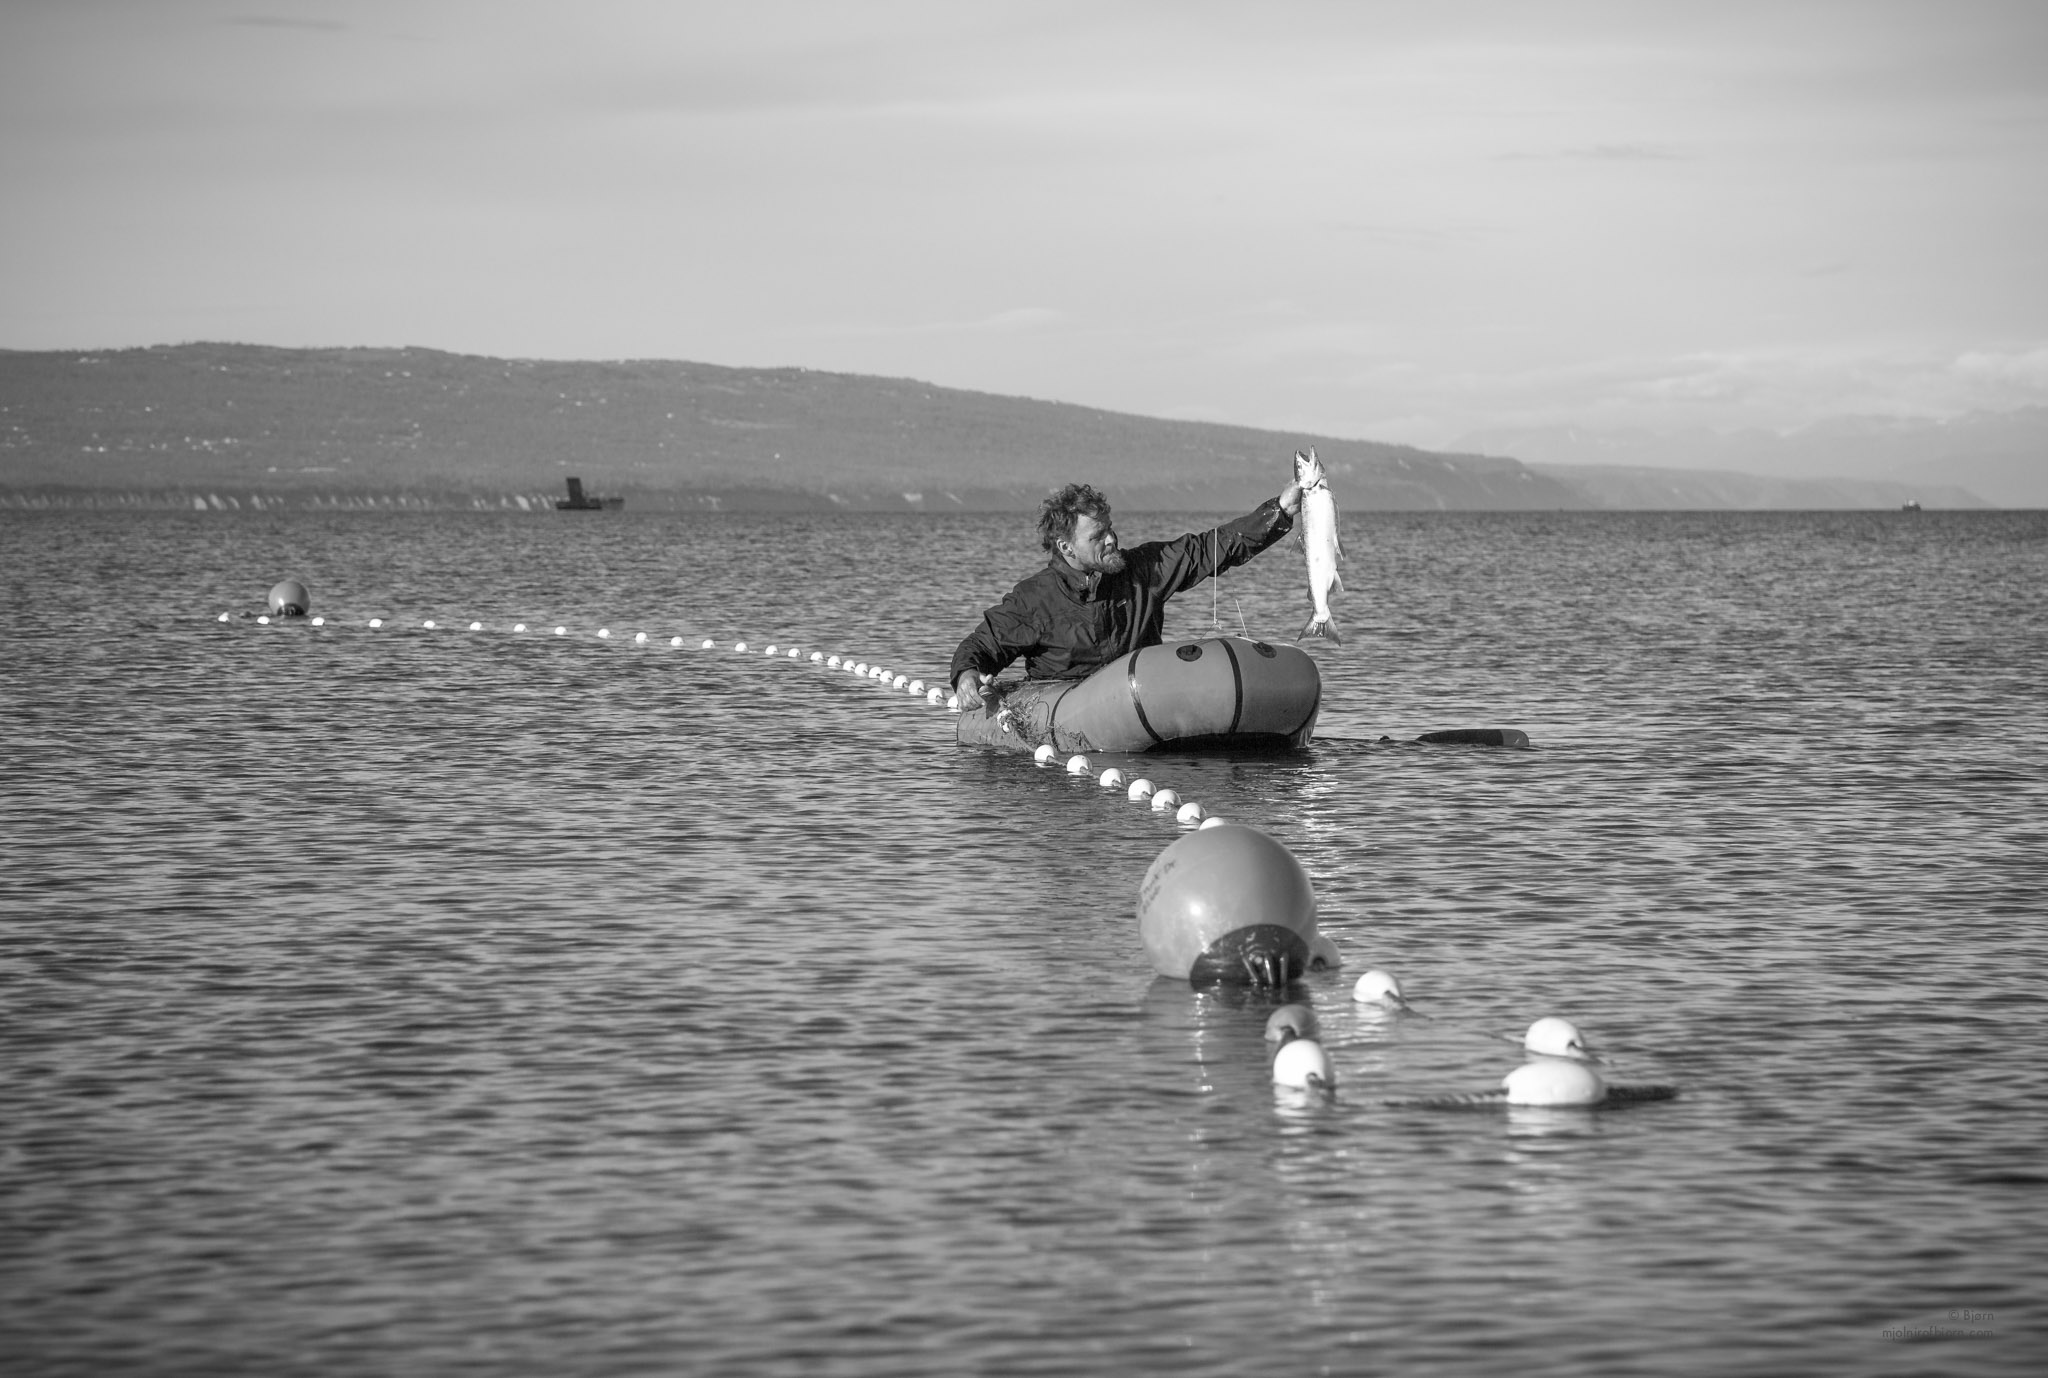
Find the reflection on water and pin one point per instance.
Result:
(471, 1000)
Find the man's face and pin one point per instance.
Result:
(1093, 548)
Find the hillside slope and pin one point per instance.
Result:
(185, 423)
(257, 420)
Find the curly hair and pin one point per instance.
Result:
(1059, 513)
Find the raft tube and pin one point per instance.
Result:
(1218, 693)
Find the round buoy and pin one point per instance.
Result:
(1110, 779)
(640, 638)
(1289, 1022)
(1554, 1081)
(795, 654)
(935, 696)
(676, 642)
(222, 618)
(289, 598)
(262, 619)
(1044, 755)
(916, 686)
(818, 657)
(1141, 788)
(739, 647)
(1164, 799)
(561, 631)
(952, 703)
(604, 633)
(1227, 904)
(428, 624)
(518, 626)
(770, 651)
(708, 644)
(319, 621)
(1302, 1064)
(376, 621)
(1077, 765)
(1214, 821)
(1191, 812)
(476, 626)
(1554, 1037)
(1377, 987)
(1322, 953)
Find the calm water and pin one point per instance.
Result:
(470, 1002)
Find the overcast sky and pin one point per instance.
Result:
(1399, 221)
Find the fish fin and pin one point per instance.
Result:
(1337, 580)
(1321, 626)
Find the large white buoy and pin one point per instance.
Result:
(1303, 1065)
(1163, 800)
(1110, 779)
(1554, 1081)
(1141, 788)
(1191, 812)
(1077, 765)
(1227, 904)
(1045, 754)
(288, 598)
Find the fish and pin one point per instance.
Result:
(1318, 535)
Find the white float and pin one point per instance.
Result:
(1303, 1065)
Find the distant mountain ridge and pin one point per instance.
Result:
(411, 426)
(1998, 456)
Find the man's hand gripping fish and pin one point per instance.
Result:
(1319, 540)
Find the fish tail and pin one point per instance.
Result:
(1321, 626)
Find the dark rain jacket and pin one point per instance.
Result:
(1067, 625)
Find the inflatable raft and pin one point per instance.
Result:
(1219, 693)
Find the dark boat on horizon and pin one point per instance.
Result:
(579, 501)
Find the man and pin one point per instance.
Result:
(1094, 600)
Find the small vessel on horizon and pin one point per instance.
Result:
(579, 501)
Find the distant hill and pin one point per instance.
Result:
(1642, 489)
(336, 424)
(248, 424)
(2001, 457)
